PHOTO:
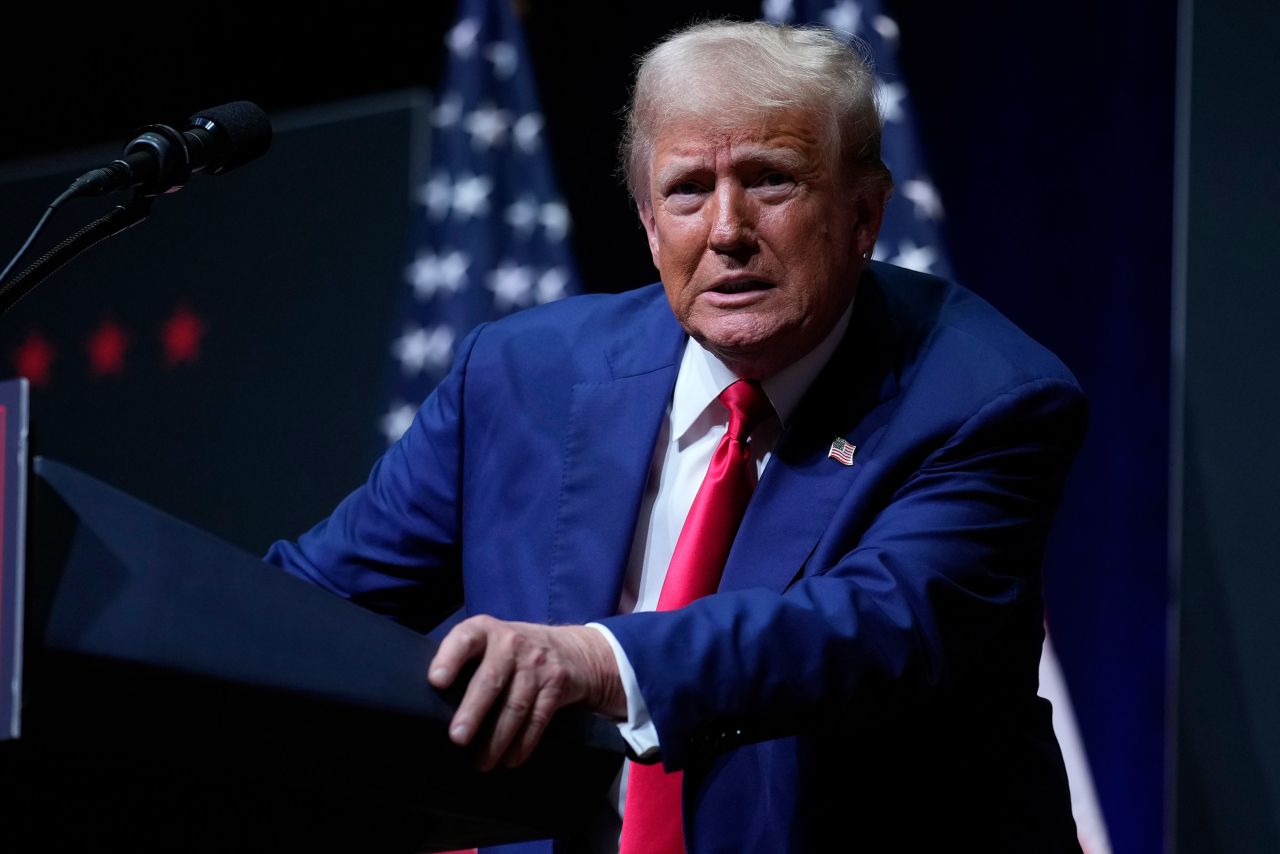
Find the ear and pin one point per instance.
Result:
(645, 210)
(869, 209)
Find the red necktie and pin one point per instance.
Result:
(651, 822)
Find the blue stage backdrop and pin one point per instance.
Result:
(1050, 138)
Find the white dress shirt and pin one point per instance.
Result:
(695, 423)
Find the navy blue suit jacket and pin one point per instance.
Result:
(865, 678)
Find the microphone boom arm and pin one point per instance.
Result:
(110, 224)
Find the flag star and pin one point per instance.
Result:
(504, 57)
(522, 215)
(887, 28)
(423, 273)
(430, 273)
(436, 196)
(890, 96)
(778, 11)
(448, 111)
(913, 257)
(555, 219)
(511, 285)
(420, 348)
(487, 126)
(462, 38)
(921, 194)
(879, 253)
(551, 285)
(453, 269)
(527, 131)
(471, 196)
(845, 16)
(397, 421)
(439, 347)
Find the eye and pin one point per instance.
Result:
(684, 195)
(775, 179)
(685, 188)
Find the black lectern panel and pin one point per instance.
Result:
(186, 696)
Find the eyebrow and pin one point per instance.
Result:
(786, 159)
(783, 158)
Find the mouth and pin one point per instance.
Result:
(741, 286)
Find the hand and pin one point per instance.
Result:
(533, 670)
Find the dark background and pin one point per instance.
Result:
(1227, 462)
(1050, 133)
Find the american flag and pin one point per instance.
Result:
(842, 452)
(911, 237)
(489, 233)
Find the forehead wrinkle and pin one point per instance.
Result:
(694, 155)
(784, 157)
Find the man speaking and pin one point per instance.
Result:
(780, 516)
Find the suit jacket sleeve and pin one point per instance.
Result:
(939, 594)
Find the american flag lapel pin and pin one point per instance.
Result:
(842, 452)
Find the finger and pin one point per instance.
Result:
(486, 685)
(465, 641)
(546, 704)
(516, 707)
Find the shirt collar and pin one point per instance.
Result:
(702, 377)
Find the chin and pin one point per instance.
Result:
(755, 351)
(732, 339)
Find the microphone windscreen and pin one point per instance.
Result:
(241, 131)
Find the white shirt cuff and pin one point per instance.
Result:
(638, 729)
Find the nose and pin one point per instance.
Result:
(733, 224)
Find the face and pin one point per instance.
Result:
(758, 239)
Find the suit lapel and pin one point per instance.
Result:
(801, 487)
(614, 423)
(608, 448)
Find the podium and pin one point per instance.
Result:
(180, 695)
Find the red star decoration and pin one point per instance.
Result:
(106, 349)
(34, 359)
(181, 334)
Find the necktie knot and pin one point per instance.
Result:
(748, 406)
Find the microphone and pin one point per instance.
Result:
(161, 159)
